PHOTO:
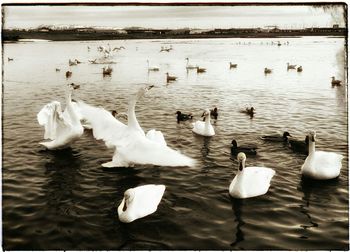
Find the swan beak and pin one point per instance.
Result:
(240, 166)
(313, 138)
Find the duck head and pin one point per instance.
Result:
(234, 144)
(286, 135)
(128, 198)
(241, 157)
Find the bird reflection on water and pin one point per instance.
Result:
(239, 235)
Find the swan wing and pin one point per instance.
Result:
(141, 150)
(156, 136)
(256, 180)
(50, 116)
(105, 127)
(323, 165)
(147, 199)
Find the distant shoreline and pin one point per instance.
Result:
(100, 34)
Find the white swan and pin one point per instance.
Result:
(250, 181)
(204, 128)
(321, 165)
(139, 202)
(188, 66)
(60, 127)
(152, 68)
(132, 145)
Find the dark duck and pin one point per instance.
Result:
(247, 149)
(277, 138)
(183, 117)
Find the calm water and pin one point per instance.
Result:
(65, 200)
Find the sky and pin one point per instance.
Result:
(201, 17)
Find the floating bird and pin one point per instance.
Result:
(214, 113)
(9, 59)
(250, 181)
(335, 82)
(299, 69)
(68, 74)
(72, 63)
(189, 66)
(183, 117)
(57, 69)
(118, 48)
(61, 128)
(321, 165)
(267, 70)
(152, 68)
(170, 78)
(93, 61)
(279, 43)
(204, 128)
(247, 149)
(249, 111)
(77, 61)
(74, 86)
(300, 146)
(233, 65)
(139, 202)
(291, 66)
(277, 138)
(107, 70)
(131, 144)
(201, 70)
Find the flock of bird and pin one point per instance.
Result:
(132, 145)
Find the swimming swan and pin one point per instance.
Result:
(204, 128)
(60, 127)
(131, 144)
(321, 165)
(250, 181)
(139, 202)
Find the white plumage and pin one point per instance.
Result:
(321, 165)
(61, 128)
(132, 145)
(139, 202)
(250, 181)
(204, 128)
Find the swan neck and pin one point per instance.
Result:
(132, 121)
(312, 147)
(207, 121)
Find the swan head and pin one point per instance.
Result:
(241, 157)
(312, 136)
(142, 91)
(206, 113)
(128, 198)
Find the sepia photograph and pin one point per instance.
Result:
(175, 126)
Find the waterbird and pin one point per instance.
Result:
(267, 70)
(61, 128)
(321, 165)
(233, 65)
(93, 61)
(131, 144)
(277, 137)
(72, 63)
(204, 128)
(249, 111)
(183, 117)
(201, 70)
(9, 59)
(152, 68)
(107, 70)
(77, 61)
(299, 146)
(139, 202)
(118, 48)
(170, 78)
(247, 149)
(68, 74)
(214, 113)
(291, 66)
(57, 69)
(250, 181)
(335, 82)
(189, 66)
(74, 86)
(299, 69)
